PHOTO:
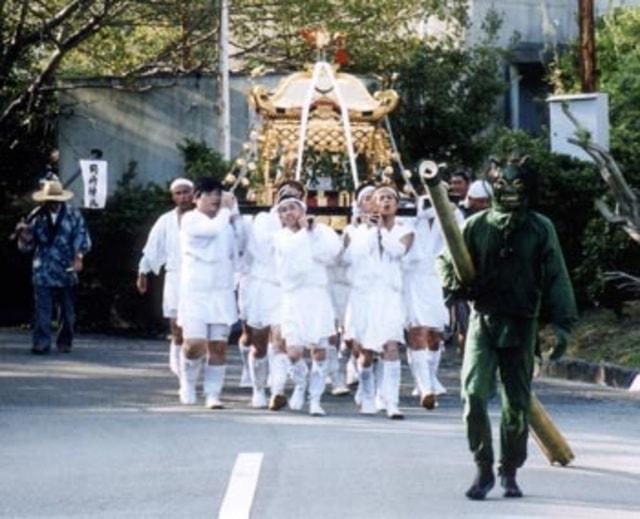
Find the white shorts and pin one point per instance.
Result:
(424, 302)
(307, 316)
(263, 303)
(192, 329)
(170, 294)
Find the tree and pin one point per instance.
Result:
(378, 34)
(619, 76)
(449, 97)
(127, 38)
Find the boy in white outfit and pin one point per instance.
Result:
(303, 249)
(163, 249)
(427, 313)
(263, 301)
(207, 307)
(374, 252)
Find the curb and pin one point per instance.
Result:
(603, 374)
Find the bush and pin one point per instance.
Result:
(568, 189)
(107, 297)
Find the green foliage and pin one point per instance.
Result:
(203, 161)
(606, 247)
(449, 97)
(567, 191)
(107, 298)
(618, 62)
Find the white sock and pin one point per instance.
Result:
(433, 360)
(298, 372)
(189, 372)
(213, 380)
(174, 358)
(391, 383)
(367, 382)
(421, 372)
(331, 363)
(258, 370)
(317, 379)
(278, 368)
(378, 370)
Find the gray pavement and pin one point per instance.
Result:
(99, 433)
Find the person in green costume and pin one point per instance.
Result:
(520, 274)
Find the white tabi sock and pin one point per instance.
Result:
(258, 369)
(416, 390)
(391, 385)
(433, 359)
(189, 372)
(175, 351)
(352, 369)
(245, 377)
(213, 380)
(298, 372)
(270, 354)
(317, 379)
(278, 368)
(420, 369)
(367, 390)
(379, 374)
(331, 363)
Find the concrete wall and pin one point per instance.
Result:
(537, 22)
(146, 127)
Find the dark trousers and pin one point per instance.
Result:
(489, 349)
(50, 303)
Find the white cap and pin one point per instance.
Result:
(480, 189)
(180, 182)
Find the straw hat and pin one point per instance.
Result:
(52, 191)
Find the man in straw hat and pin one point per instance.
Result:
(163, 249)
(57, 235)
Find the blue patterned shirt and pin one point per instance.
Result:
(55, 246)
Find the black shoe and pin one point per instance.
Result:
(508, 482)
(39, 350)
(482, 484)
(64, 348)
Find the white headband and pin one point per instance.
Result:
(180, 182)
(389, 190)
(291, 200)
(363, 192)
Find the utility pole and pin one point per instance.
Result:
(223, 83)
(588, 77)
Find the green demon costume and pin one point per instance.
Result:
(520, 273)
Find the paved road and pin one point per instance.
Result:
(98, 433)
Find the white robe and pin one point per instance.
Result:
(301, 263)
(163, 249)
(424, 300)
(375, 312)
(209, 253)
(262, 298)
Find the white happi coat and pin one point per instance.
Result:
(209, 254)
(163, 249)
(375, 312)
(301, 259)
(423, 295)
(263, 294)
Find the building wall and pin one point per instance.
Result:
(146, 127)
(536, 22)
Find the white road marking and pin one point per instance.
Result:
(238, 498)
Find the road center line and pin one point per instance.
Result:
(238, 498)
